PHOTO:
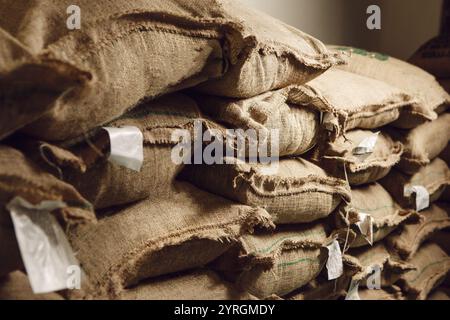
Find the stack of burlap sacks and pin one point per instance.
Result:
(239, 230)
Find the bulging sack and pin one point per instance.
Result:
(85, 162)
(408, 238)
(122, 53)
(367, 103)
(266, 264)
(197, 285)
(432, 265)
(375, 202)
(423, 144)
(297, 127)
(431, 98)
(273, 55)
(20, 177)
(366, 166)
(291, 190)
(390, 293)
(160, 236)
(434, 178)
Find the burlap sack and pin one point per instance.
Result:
(378, 257)
(408, 238)
(441, 294)
(431, 97)
(16, 286)
(298, 126)
(368, 103)
(10, 258)
(20, 177)
(434, 56)
(435, 178)
(432, 266)
(123, 52)
(362, 169)
(423, 143)
(160, 236)
(266, 264)
(374, 200)
(274, 56)
(198, 285)
(84, 162)
(292, 190)
(391, 293)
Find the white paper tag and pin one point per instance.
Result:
(46, 253)
(335, 265)
(365, 226)
(367, 145)
(422, 196)
(127, 147)
(352, 293)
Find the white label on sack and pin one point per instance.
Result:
(367, 145)
(127, 147)
(422, 196)
(46, 253)
(365, 226)
(335, 265)
(352, 293)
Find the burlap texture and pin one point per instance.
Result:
(298, 126)
(160, 236)
(368, 103)
(392, 293)
(123, 52)
(85, 163)
(408, 238)
(276, 263)
(430, 96)
(434, 177)
(374, 200)
(16, 286)
(391, 267)
(423, 144)
(20, 177)
(363, 169)
(274, 55)
(196, 285)
(432, 266)
(291, 190)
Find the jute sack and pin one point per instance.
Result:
(432, 266)
(274, 55)
(84, 162)
(423, 144)
(197, 285)
(434, 56)
(291, 190)
(378, 259)
(160, 236)
(365, 168)
(20, 177)
(408, 238)
(373, 200)
(266, 264)
(123, 52)
(10, 258)
(435, 178)
(431, 98)
(367, 103)
(390, 293)
(15, 286)
(442, 294)
(297, 127)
